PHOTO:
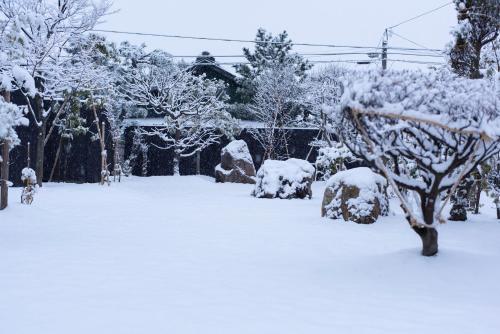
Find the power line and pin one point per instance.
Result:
(251, 41)
(352, 61)
(420, 15)
(409, 40)
(316, 55)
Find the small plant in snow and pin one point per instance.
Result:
(28, 176)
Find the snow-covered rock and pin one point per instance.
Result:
(356, 195)
(236, 164)
(284, 179)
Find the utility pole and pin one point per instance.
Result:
(384, 51)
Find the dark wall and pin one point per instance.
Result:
(160, 161)
(80, 159)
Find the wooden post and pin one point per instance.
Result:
(198, 162)
(103, 153)
(4, 192)
(4, 168)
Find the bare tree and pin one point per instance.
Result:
(279, 93)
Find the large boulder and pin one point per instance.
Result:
(357, 195)
(284, 179)
(236, 164)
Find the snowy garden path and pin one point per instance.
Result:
(186, 255)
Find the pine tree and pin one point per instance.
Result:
(478, 26)
(270, 51)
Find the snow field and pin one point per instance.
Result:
(186, 255)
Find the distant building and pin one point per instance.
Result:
(206, 64)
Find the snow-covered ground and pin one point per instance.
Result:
(186, 255)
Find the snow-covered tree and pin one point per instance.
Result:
(444, 124)
(324, 88)
(278, 94)
(193, 107)
(270, 51)
(473, 54)
(38, 32)
(477, 27)
(11, 116)
(12, 77)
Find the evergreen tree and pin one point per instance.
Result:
(478, 26)
(269, 52)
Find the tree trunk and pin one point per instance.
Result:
(176, 163)
(4, 167)
(4, 175)
(477, 198)
(498, 207)
(40, 140)
(429, 238)
(177, 153)
(428, 235)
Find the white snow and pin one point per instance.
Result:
(24, 80)
(11, 116)
(28, 174)
(238, 149)
(362, 177)
(186, 255)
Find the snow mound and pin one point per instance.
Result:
(361, 177)
(284, 179)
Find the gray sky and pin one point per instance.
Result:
(353, 22)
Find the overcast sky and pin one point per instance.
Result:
(353, 22)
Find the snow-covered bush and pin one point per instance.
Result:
(446, 125)
(284, 179)
(331, 160)
(357, 195)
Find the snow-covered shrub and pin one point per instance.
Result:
(236, 164)
(357, 195)
(445, 124)
(28, 176)
(284, 179)
(331, 160)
